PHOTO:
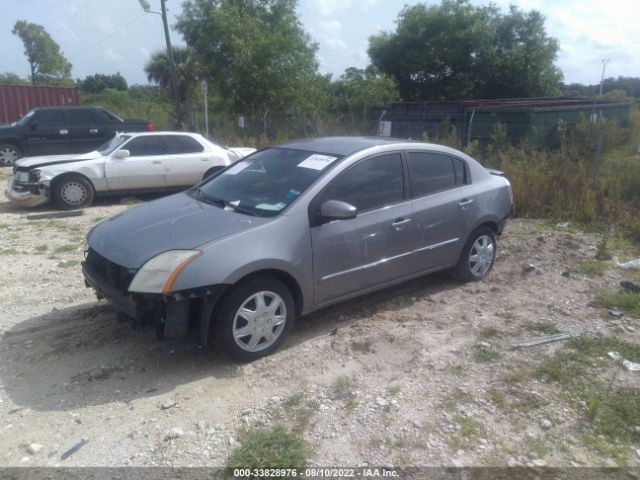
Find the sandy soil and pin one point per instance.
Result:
(388, 379)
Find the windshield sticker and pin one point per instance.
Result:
(237, 168)
(317, 161)
(271, 206)
(292, 194)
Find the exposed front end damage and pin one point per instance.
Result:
(25, 190)
(172, 315)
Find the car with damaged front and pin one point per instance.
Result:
(294, 228)
(129, 163)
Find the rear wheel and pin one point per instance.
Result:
(254, 319)
(477, 257)
(9, 154)
(73, 191)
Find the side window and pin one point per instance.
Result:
(461, 172)
(145, 146)
(174, 144)
(49, 118)
(80, 117)
(371, 184)
(430, 173)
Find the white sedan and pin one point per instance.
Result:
(130, 163)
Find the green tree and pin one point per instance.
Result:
(358, 90)
(99, 82)
(254, 52)
(456, 50)
(158, 70)
(45, 58)
(10, 77)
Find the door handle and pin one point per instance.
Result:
(156, 162)
(93, 130)
(465, 203)
(64, 131)
(398, 223)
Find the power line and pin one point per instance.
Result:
(73, 16)
(107, 37)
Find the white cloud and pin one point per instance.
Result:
(144, 51)
(329, 7)
(329, 32)
(112, 55)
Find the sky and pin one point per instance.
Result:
(108, 36)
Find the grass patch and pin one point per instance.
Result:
(274, 447)
(611, 410)
(489, 332)
(591, 267)
(41, 248)
(351, 405)
(456, 397)
(467, 436)
(68, 264)
(65, 248)
(293, 400)
(544, 326)
(516, 376)
(628, 302)
(508, 314)
(539, 446)
(393, 390)
(8, 251)
(343, 384)
(484, 354)
(495, 396)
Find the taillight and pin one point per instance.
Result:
(150, 126)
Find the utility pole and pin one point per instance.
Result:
(174, 76)
(604, 65)
(172, 63)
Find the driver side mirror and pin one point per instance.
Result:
(122, 154)
(337, 210)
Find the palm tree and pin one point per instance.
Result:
(158, 70)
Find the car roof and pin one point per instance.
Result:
(341, 145)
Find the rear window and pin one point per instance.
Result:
(80, 117)
(434, 172)
(175, 144)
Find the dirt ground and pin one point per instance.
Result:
(421, 374)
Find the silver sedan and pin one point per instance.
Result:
(294, 228)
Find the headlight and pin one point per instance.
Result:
(159, 273)
(22, 177)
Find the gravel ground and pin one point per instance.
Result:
(389, 379)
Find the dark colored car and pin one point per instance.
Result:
(291, 229)
(56, 130)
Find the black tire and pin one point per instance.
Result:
(73, 191)
(9, 154)
(211, 172)
(225, 319)
(469, 271)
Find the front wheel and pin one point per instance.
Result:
(73, 191)
(254, 319)
(9, 154)
(477, 257)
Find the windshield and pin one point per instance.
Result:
(24, 120)
(266, 182)
(110, 145)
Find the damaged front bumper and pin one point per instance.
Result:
(171, 315)
(26, 194)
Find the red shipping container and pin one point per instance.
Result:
(17, 100)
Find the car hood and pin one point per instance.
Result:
(177, 222)
(43, 161)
